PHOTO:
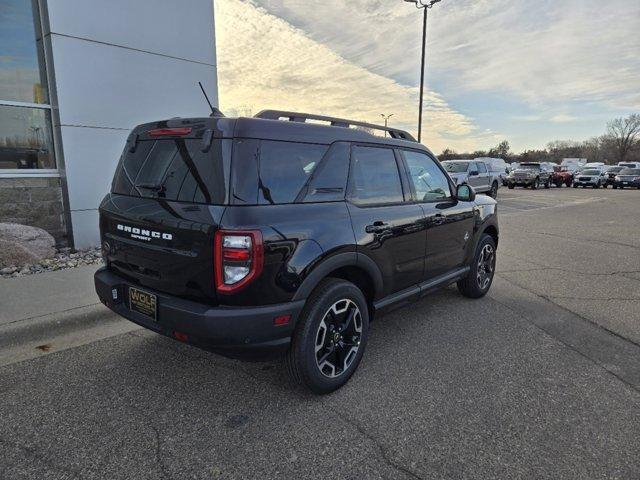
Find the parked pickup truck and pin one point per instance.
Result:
(561, 175)
(529, 174)
(474, 173)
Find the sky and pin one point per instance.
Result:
(522, 70)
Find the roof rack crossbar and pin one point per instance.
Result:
(333, 121)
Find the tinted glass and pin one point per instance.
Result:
(22, 76)
(482, 168)
(630, 171)
(455, 167)
(329, 180)
(429, 182)
(175, 170)
(284, 169)
(25, 138)
(374, 176)
(591, 172)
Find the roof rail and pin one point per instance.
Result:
(333, 121)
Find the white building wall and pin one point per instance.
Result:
(116, 64)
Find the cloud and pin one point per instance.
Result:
(544, 53)
(563, 118)
(265, 62)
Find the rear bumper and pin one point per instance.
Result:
(238, 332)
(631, 184)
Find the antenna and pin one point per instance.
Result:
(206, 97)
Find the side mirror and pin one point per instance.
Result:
(473, 173)
(465, 193)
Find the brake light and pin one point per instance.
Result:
(169, 132)
(239, 258)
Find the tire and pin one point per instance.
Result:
(535, 184)
(575, 185)
(493, 193)
(596, 185)
(478, 282)
(318, 327)
(511, 186)
(547, 184)
(615, 187)
(568, 183)
(559, 183)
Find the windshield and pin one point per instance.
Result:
(529, 166)
(630, 171)
(590, 171)
(455, 167)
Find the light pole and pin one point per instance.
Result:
(386, 120)
(425, 6)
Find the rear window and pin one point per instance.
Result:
(176, 170)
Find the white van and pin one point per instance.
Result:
(573, 164)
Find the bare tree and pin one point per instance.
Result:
(624, 133)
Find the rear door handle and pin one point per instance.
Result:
(376, 227)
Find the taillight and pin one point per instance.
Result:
(169, 132)
(239, 257)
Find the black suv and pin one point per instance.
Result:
(285, 234)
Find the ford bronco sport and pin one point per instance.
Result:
(254, 237)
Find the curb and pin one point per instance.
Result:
(31, 338)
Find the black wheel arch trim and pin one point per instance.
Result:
(328, 265)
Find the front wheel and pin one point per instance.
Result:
(330, 337)
(615, 187)
(535, 184)
(547, 184)
(511, 186)
(477, 283)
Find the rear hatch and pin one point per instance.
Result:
(167, 198)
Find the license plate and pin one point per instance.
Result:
(625, 183)
(143, 302)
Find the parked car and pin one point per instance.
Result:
(628, 177)
(258, 237)
(610, 174)
(474, 173)
(529, 174)
(590, 177)
(561, 175)
(629, 164)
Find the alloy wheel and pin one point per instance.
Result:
(338, 338)
(486, 265)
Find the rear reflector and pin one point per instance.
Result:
(183, 337)
(169, 132)
(281, 320)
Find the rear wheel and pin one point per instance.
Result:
(330, 337)
(547, 184)
(477, 283)
(493, 193)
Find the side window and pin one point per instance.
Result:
(482, 168)
(329, 180)
(429, 182)
(374, 176)
(284, 168)
(473, 167)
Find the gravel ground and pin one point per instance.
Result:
(65, 258)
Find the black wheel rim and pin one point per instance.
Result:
(338, 338)
(486, 266)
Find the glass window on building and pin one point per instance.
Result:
(25, 113)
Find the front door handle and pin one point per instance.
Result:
(376, 227)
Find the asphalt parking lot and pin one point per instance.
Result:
(540, 379)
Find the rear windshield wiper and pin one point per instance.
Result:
(156, 187)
